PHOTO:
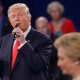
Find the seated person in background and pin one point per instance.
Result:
(5, 27)
(68, 47)
(41, 24)
(54, 72)
(59, 25)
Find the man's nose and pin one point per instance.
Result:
(17, 18)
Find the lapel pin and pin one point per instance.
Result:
(28, 40)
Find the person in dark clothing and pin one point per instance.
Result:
(54, 71)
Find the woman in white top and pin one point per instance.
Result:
(68, 47)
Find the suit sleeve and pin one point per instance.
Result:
(37, 59)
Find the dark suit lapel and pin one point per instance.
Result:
(29, 38)
(7, 56)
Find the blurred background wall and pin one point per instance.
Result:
(38, 8)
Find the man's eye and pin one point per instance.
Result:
(20, 14)
(12, 16)
(60, 58)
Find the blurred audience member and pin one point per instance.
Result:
(41, 24)
(59, 25)
(68, 47)
(4, 23)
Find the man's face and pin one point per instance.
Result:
(42, 26)
(21, 17)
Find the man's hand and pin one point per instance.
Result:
(20, 35)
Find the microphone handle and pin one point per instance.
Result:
(14, 37)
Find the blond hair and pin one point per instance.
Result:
(18, 5)
(71, 44)
(55, 4)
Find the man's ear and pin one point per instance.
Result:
(30, 17)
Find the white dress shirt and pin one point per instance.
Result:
(25, 34)
(78, 78)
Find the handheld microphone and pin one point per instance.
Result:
(14, 36)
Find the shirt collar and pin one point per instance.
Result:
(27, 31)
(78, 78)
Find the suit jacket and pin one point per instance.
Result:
(32, 59)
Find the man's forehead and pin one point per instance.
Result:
(17, 10)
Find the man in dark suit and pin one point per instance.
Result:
(26, 57)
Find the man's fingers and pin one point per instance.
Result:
(16, 30)
(19, 34)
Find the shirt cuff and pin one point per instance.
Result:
(22, 45)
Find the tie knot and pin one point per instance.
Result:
(17, 43)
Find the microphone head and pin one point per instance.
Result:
(14, 37)
(17, 25)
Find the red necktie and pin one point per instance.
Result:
(14, 53)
